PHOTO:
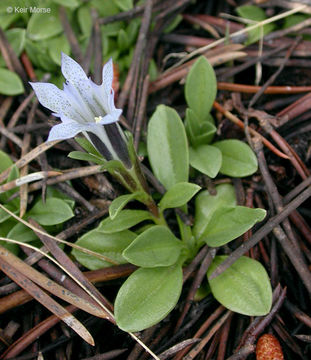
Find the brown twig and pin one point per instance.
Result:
(74, 44)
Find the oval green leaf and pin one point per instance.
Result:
(10, 83)
(199, 132)
(201, 87)
(238, 159)
(109, 245)
(56, 46)
(118, 203)
(147, 296)
(243, 288)
(227, 223)
(44, 26)
(53, 211)
(22, 233)
(206, 204)
(124, 220)
(167, 147)
(5, 161)
(178, 195)
(206, 158)
(157, 246)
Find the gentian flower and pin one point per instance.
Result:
(85, 107)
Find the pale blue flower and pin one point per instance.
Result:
(82, 105)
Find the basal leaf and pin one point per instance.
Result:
(178, 195)
(124, 220)
(10, 83)
(199, 132)
(53, 211)
(167, 147)
(256, 14)
(109, 245)
(85, 20)
(243, 288)
(206, 158)
(155, 247)
(238, 159)
(206, 204)
(5, 161)
(147, 296)
(118, 203)
(22, 233)
(56, 46)
(44, 26)
(201, 87)
(229, 222)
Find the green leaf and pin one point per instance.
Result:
(87, 146)
(4, 197)
(56, 46)
(201, 87)
(157, 246)
(243, 288)
(255, 14)
(124, 220)
(118, 203)
(167, 147)
(238, 159)
(206, 204)
(80, 155)
(10, 83)
(132, 30)
(34, 50)
(16, 38)
(123, 41)
(228, 222)
(22, 233)
(147, 296)
(109, 245)
(4, 230)
(44, 26)
(153, 70)
(178, 195)
(199, 132)
(7, 19)
(5, 161)
(85, 20)
(68, 3)
(4, 215)
(206, 158)
(173, 24)
(105, 8)
(53, 211)
(251, 12)
(124, 5)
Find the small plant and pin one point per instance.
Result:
(50, 214)
(43, 40)
(143, 237)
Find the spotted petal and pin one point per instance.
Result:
(65, 130)
(55, 99)
(107, 76)
(111, 118)
(72, 71)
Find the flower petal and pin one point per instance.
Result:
(65, 130)
(107, 76)
(111, 118)
(72, 71)
(50, 96)
(55, 99)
